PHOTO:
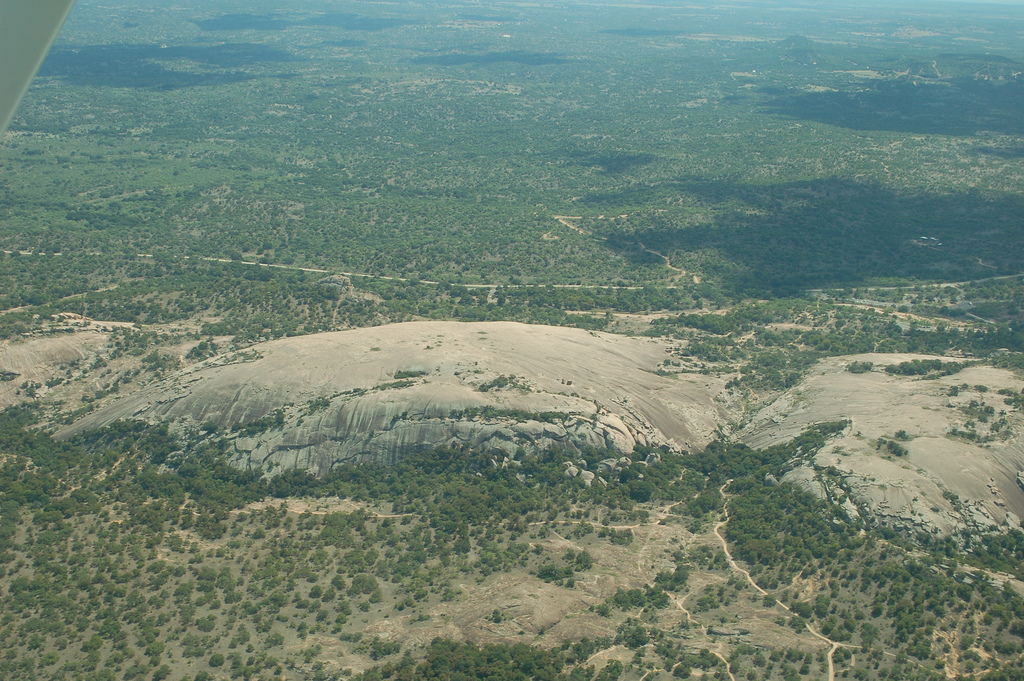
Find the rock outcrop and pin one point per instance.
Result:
(378, 394)
(943, 483)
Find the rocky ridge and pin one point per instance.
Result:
(377, 394)
(938, 481)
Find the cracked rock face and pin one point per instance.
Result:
(944, 483)
(375, 395)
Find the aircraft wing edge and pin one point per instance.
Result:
(27, 30)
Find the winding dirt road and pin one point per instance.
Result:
(668, 263)
(833, 645)
(693, 620)
(564, 219)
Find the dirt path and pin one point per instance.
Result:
(728, 667)
(980, 319)
(426, 282)
(668, 263)
(60, 300)
(693, 620)
(319, 506)
(286, 267)
(564, 219)
(833, 645)
(604, 654)
(909, 316)
(946, 284)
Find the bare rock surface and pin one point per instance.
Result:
(376, 394)
(946, 482)
(38, 360)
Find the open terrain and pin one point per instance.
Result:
(572, 342)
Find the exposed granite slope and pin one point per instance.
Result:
(376, 394)
(945, 483)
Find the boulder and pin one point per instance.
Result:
(804, 478)
(721, 630)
